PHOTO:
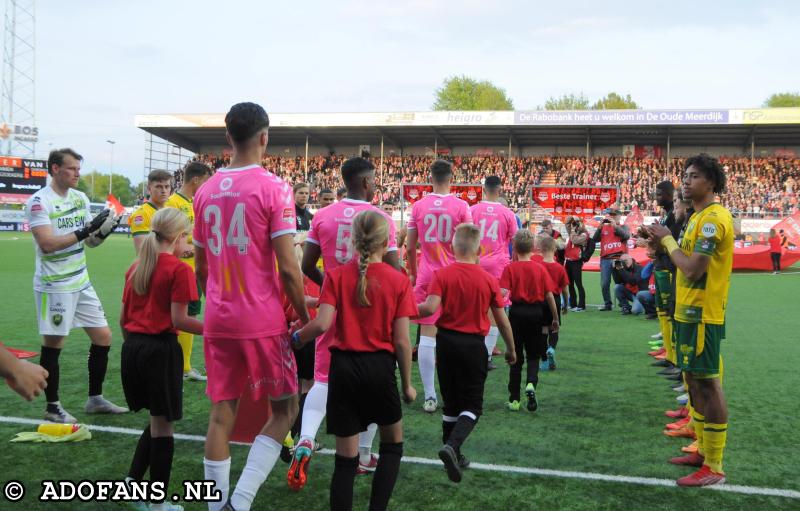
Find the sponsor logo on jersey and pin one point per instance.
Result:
(225, 183)
(348, 212)
(288, 215)
(36, 207)
(138, 220)
(490, 209)
(437, 202)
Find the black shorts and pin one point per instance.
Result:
(152, 374)
(547, 316)
(305, 361)
(527, 320)
(362, 389)
(462, 368)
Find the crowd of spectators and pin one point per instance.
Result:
(770, 187)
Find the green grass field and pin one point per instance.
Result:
(600, 412)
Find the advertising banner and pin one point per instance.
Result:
(791, 228)
(582, 201)
(20, 178)
(471, 193)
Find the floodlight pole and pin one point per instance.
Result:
(508, 156)
(753, 153)
(111, 173)
(306, 161)
(669, 149)
(435, 147)
(381, 162)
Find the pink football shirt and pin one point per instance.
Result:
(498, 226)
(435, 217)
(332, 230)
(238, 212)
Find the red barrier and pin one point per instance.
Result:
(755, 257)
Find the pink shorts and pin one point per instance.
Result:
(420, 295)
(266, 364)
(322, 356)
(495, 268)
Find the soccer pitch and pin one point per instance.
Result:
(601, 412)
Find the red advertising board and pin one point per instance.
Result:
(20, 178)
(471, 193)
(791, 228)
(582, 201)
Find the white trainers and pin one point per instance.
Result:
(657, 336)
(430, 405)
(194, 375)
(59, 415)
(99, 404)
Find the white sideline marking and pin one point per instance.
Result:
(489, 467)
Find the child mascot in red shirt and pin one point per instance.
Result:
(465, 292)
(155, 303)
(371, 303)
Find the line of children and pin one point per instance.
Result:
(370, 303)
(465, 292)
(529, 287)
(558, 276)
(155, 302)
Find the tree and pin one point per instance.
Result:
(614, 101)
(465, 93)
(95, 185)
(783, 99)
(567, 102)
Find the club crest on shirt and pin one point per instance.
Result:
(348, 212)
(437, 202)
(57, 319)
(138, 220)
(225, 184)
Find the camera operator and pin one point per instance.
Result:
(631, 285)
(613, 239)
(547, 228)
(577, 237)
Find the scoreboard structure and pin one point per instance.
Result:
(20, 178)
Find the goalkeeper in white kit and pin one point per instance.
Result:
(62, 226)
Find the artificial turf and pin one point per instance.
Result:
(601, 411)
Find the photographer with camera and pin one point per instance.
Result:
(577, 241)
(613, 239)
(631, 285)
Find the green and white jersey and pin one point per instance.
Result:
(63, 271)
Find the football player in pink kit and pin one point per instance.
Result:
(433, 221)
(498, 226)
(244, 224)
(330, 237)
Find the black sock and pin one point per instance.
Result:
(344, 474)
(385, 476)
(161, 451)
(49, 360)
(298, 422)
(141, 457)
(98, 363)
(461, 431)
(553, 339)
(447, 429)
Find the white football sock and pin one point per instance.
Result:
(491, 339)
(263, 454)
(314, 411)
(219, 472)
(365, 439)
(426, 357)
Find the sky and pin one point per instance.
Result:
(100, 63)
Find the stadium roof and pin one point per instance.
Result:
(735, 127)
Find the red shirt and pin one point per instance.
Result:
(367, 329)
(173, 281)
(526, 281)
(572, 252)
(467, 292)
(775, 244)
(558, 276)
